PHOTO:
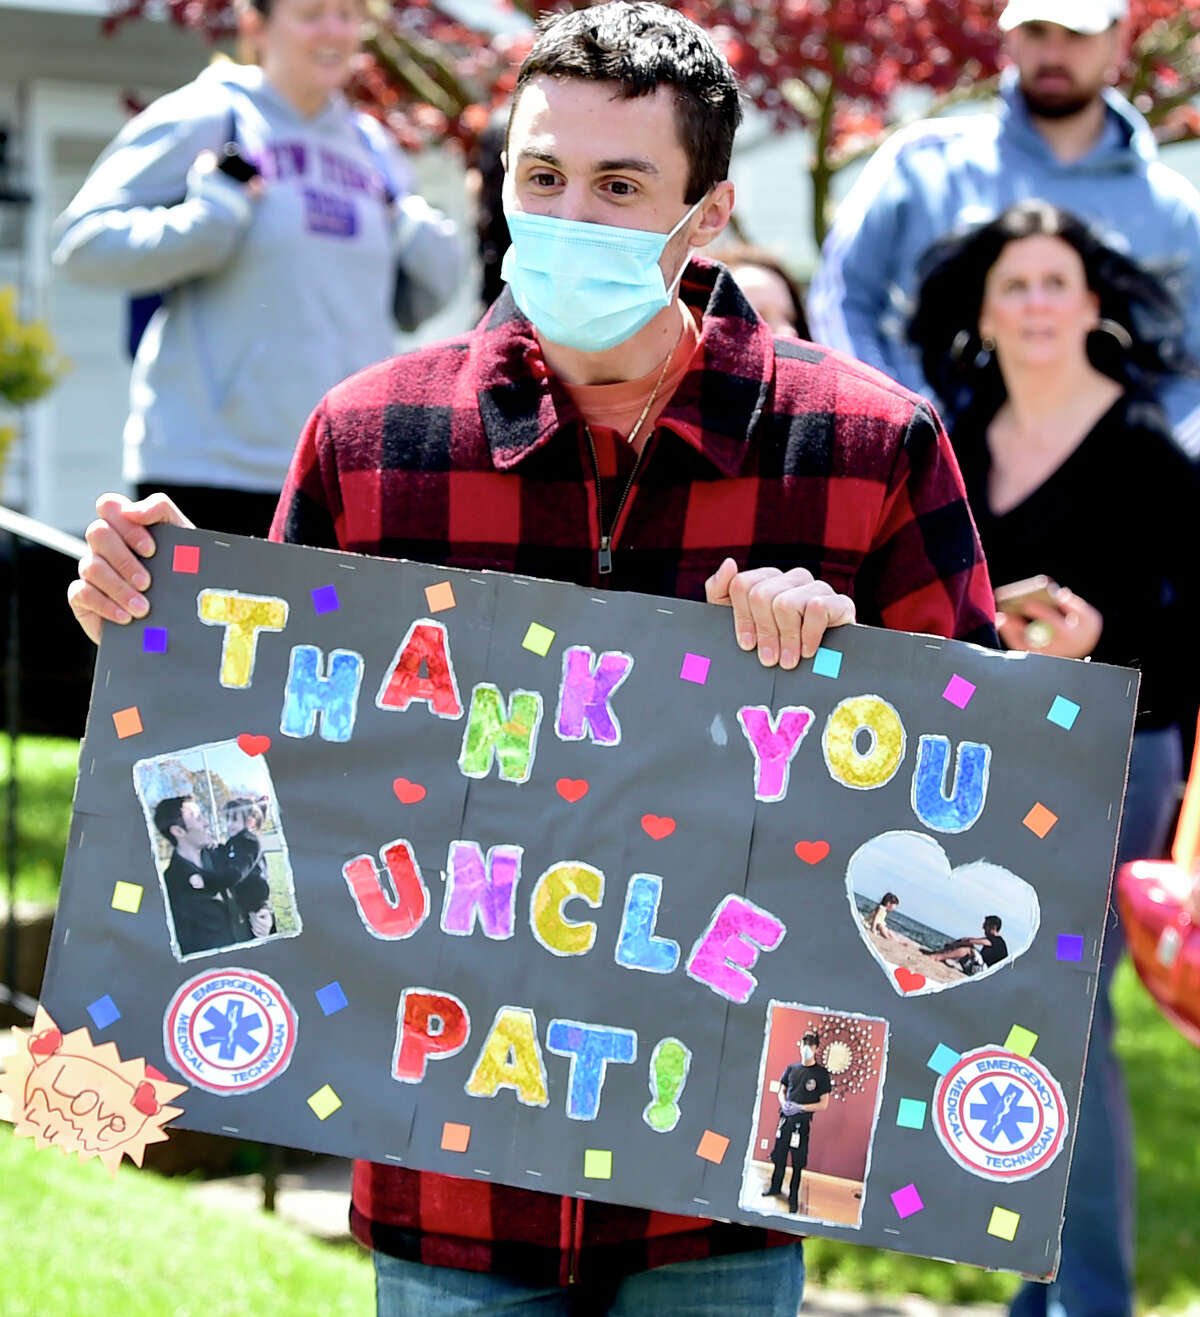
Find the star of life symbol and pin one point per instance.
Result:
(1000, 1115)
(230, 1031)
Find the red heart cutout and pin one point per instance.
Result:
(144, 1099)
(253, 745)
(46, 1043)
(909, 979)
(656, 827)
(812, 852)
(571, 788)
(408, 793)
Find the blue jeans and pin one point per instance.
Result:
(763, 1283)
(1095, 1277)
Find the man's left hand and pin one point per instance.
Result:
(260, 922)
(781, 614)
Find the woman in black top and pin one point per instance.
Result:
(1045, 345)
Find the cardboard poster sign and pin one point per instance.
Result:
(514, 880)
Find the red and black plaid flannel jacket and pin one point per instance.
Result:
(470, 454)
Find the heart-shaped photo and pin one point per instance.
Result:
(932, 927)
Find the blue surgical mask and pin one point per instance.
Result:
(587, 286)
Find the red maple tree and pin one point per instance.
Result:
(830, 67)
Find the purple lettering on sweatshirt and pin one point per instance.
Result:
(336, 217)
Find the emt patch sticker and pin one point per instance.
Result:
(230, 1031)
(999, 1115)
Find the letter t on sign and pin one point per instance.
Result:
(243, 616)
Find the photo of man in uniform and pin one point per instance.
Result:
(201, 891)
(804, 1089)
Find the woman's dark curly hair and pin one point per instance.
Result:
(945, 324)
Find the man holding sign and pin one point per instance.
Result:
(620, 419)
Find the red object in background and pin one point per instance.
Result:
(1163, 938)
(1159, 902)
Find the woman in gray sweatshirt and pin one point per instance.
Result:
(275, 286)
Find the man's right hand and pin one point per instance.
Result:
(112, 576)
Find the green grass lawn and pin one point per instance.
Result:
(1163, 1071)
(46, 783)
(78, 1242)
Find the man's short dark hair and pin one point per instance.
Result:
(168, 814)
(992, 924)
(642, 46)
(812, 1038)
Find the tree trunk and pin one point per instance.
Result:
(821, 172)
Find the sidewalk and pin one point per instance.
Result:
(317, 1200)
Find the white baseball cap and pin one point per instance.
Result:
(1086, 16)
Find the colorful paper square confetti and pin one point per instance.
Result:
(127, 897)
(103, 1012)
(597, 1164)
(186, 558)
(324, 1102)
(1022, 1041)
(331, 998)
(455, 1138)
(827, 662)
(959, 691)
(128, 722)
(440, 597)
(942, 1058)
(695, 668)
(1063, 712)
(154, 640)
(1070, 947)
(538, 639)
(325, 599)
(1004, 1223)
(906, 1201)
(1040, 820)
(712, 1147)
(910, 1115)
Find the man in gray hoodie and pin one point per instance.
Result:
(1060, 133)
